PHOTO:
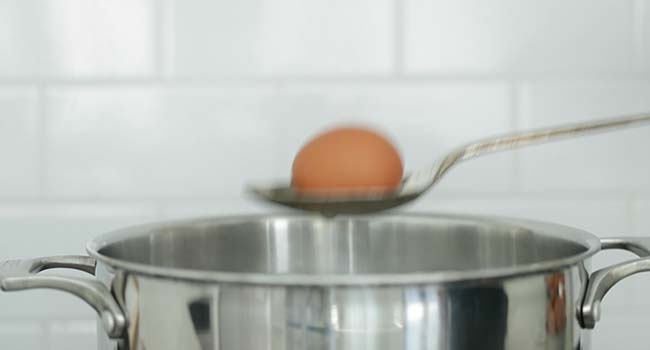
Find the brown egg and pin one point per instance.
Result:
(347, 159)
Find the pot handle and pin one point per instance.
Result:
(602, 280)
(22, 274)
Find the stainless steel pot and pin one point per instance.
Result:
(306, 282)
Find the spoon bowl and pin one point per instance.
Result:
(353, 202)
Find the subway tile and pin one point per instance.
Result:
(606, 162)
(35, 230)
(243, 205)
(133, 142)
(22, 335)
(287, 37)
(642, 21)
(19, 143)
(424, 120)
(604, 217)
(72, 335)
(474, 36)
(59, 228)
(76, 38)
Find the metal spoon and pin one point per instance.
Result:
(418, 182)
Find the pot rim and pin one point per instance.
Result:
(585, 239)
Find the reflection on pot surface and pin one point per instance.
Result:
(556, 313)
(490, 315)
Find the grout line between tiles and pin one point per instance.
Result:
(100, 201)
(46, 338)
(316, 79)
(515, 110)
(559, 194)
(42, 140)
(158, 41)
(513, 105)
(158, 209)
(517, 114)
(167, 43)
(398, 40)
(638, 30)
(630, 206)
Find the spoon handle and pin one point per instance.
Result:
(532, 137)
(525, 138)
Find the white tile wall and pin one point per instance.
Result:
(475, 36)
(584, 213)
(79, 334)
(291, 37)
(76, 38)
(148, 142)
(609, 334)
(120, 112)
(603, 162)
(641, 219)
(242, 205)
(23, 335)
(19, 142)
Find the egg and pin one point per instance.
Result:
(347, 159)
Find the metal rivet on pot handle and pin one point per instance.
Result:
(22, 274)
(602, 280)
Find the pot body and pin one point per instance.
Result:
(411, 282)
(529, 312)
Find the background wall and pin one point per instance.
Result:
(125, 111)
